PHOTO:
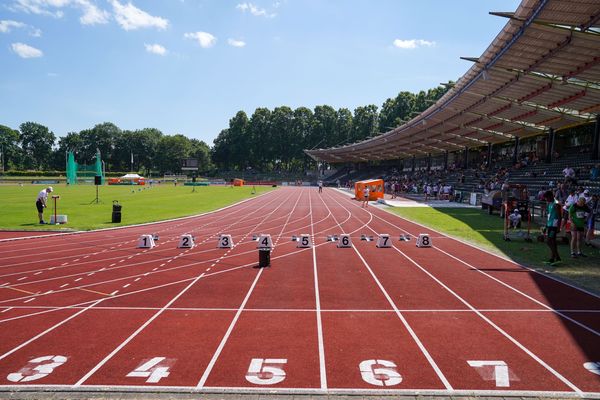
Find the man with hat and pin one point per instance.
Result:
(41, 202)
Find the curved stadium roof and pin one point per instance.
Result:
(541, 71)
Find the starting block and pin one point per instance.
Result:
(405, 238)
(186, 241)
(254, 237)
(155, 237)
(225, 242)
(304, 241)
(332, 238)
(424, 240)
(264, 242)
(294, 238)
(366, 238)
(345, 240)
(384, 240)
(146, 242)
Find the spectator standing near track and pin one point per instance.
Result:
(579, 212)
(320, 183)
(552, 226)
(41, 202)
(515, 219)
(366, 197)
(594, 206)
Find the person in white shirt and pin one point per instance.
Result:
(41, 202)
(366, 192)
(515, 219)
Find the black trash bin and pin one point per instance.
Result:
(116, 212)
(264, 258)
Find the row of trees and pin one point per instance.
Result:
(275, 140)
(34, 146)
(265, 141)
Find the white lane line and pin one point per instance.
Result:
(21, 279)
(134, 334)
(39, 272)
(28, 300)
(78, 279)
(112, 265)
(162, 265)
(489, 321)
(8, 353)
(322, 364)
(65, 285)
(8, 309)
(412, 333)
(115, 292)
(215, 356)
(136, 279)
(126, 286)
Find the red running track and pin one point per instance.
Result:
(93, 311)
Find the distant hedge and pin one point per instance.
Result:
(51, 173)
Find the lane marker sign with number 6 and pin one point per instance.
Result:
(345, 240)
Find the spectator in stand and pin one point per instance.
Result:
(594, 206)
(569, 174)
(595, 172)
(579, 213)
(515, 219)
(561, 193)
(571, 199)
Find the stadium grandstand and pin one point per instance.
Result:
(537, 82)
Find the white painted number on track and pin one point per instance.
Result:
(593, 367)
(37, 368)
(154, 369)
(500, 371)
(380, 372)
(266, 371)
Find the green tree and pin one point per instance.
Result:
(103, 137)
(171, 151)
(9, 147)
(259, 129)
(281, 134)
(221, 150)
(36, 141)
(201, 152)
(343, 126)
(365, 122)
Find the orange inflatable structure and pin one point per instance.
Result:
(376, 189)
(238, 182)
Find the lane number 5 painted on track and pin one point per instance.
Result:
(37, 368)
(380, 372)
(266, 371)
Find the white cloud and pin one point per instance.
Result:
(92, 15)
(254, 10)
(25, 51)
(205, 39)
(35, 32)
(236, 43)
(52, 74)
(412, 43)
(155, 49)
(130, 17)
(7, 25)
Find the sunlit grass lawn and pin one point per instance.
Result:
(485, 230)
(17, 204)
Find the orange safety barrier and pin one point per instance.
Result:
(376, 188)
(238, 182)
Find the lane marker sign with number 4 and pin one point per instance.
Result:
(225, 242)
(424, 240)
(345, 240)
(152, 369)
(264, 242)
(304, 241)
(384, 240)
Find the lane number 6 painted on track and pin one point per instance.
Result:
(37, 368)
(380, 372)
(266, 371)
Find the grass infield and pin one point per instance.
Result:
(485, 230)
(139, 205)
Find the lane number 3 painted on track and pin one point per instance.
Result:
(266, 371)
(380, 372)
(37, 368)
(154, 369)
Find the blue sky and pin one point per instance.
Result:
(186, 66)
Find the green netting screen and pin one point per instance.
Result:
(82, 173)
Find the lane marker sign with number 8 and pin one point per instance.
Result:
(424, 240)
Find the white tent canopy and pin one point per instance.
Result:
(132, 176)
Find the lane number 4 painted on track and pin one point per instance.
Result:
(154, 369)
(266, 371)
(37, 368)
(380, 372)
